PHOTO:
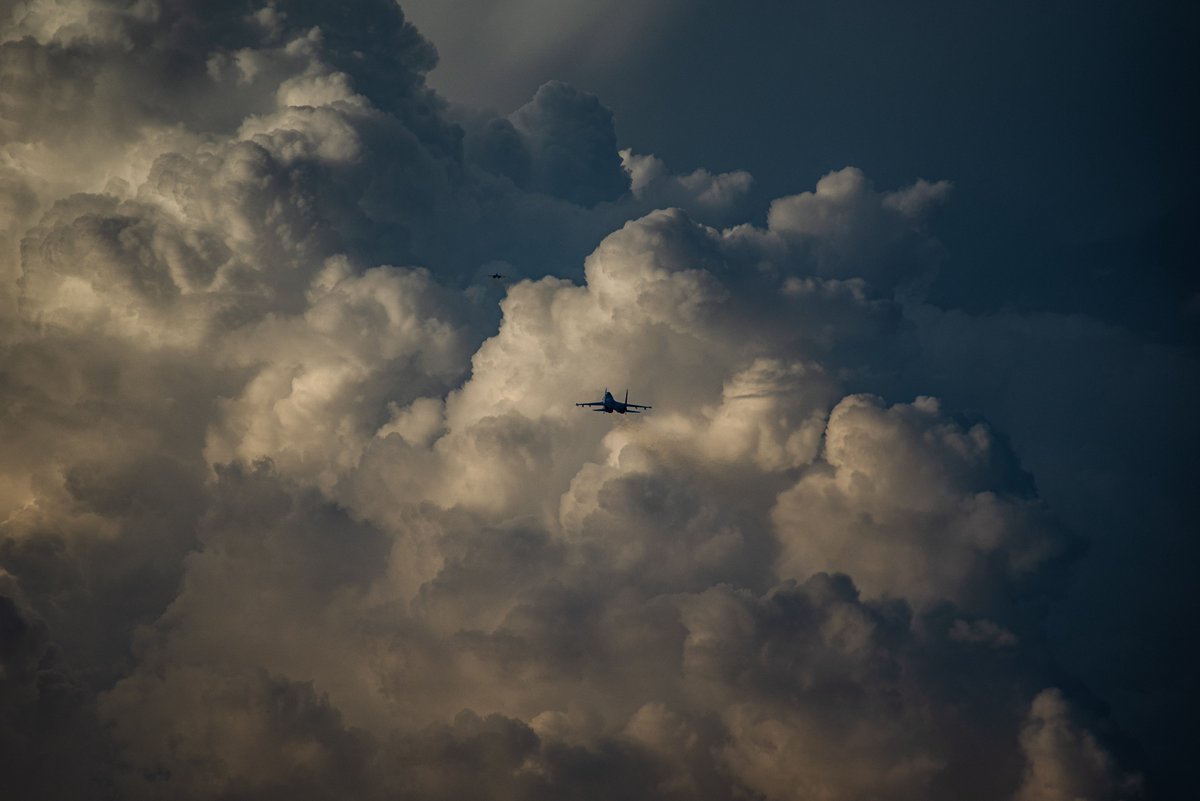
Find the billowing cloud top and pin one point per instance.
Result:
(296, 502)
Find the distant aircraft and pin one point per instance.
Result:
(497, 276)
(611, 404)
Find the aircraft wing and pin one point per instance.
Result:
(591, 403)
(637, 406)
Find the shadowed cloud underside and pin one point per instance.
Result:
(295, 501)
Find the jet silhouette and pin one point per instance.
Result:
(611, 404)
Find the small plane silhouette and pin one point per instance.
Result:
(497, 276)
(611, 404)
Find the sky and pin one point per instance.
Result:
(295, 500)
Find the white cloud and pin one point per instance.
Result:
(329, 504)
(914, 505)
(717, 197)
(67, 22)
(324, 379)
(848, 229)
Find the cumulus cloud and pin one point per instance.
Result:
(917, 506)
(849, 230)
(1064, 760)
(326, 378)
(572, 145)
(715, 197)
(308, 510)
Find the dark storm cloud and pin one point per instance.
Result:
(572, 144)
(52, 741)
(292, 507)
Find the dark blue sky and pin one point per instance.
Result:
(1064, 126)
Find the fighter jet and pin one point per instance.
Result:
(497, 276)
(611, 404)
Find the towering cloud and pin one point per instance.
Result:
(293, 506)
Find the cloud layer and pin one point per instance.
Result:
(296, 502)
